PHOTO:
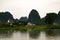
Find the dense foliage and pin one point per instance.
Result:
(50, 18)
(34, 17)
(5, 16)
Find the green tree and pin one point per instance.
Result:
(50, 18)
(23, 20)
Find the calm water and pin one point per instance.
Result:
(30, 35)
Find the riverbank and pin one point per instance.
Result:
(23, 27)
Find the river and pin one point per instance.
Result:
(29, 35)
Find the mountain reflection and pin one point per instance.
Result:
(5, 33)
(53, 32)
(34, 33)
(49, 32)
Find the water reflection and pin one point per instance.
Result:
(34, 33)
(56, 32)
(23, 31)
(53, 32)
(50, 34)
(6, 33)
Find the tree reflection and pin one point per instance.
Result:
(34, 33)
(50, 32)
(23, 31)
(56, 32)
(5, 33)
(53, 32)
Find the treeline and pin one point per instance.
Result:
(33, 19)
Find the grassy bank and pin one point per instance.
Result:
(23, 27)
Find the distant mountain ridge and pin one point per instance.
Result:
(33, 18)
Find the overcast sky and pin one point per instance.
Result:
(19, 8)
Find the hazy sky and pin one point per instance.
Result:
(20, 8)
